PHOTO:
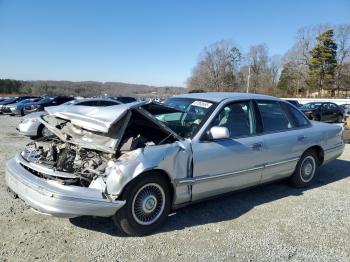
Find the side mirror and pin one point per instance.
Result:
(219, 132)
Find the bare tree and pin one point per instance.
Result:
(258, 59)
(217, 68)
(342, 36)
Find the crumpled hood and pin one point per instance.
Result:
(98, 119)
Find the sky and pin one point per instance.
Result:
(145, 42)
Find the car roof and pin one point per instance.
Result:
(221, 96)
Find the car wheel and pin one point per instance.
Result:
(22, 112)
(316, 118)
(43, 131)
(148, 202)
(306, 170)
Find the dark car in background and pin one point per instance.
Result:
(346, 108)
(12, 100)
(45, 102)
(323, 111)
(295, 102)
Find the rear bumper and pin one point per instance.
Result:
(50, 197)
(6, 110)
(333, 153)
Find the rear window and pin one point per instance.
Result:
(298, 117)
(274, 118)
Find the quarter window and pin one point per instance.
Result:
(238, 118)
(299, 118)
(274, 118)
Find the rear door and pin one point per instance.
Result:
(335, 112)
(326, 112)
(284, 139)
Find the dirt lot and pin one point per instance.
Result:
(270, 223)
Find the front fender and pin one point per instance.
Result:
(174, 159)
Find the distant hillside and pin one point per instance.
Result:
(84, 88)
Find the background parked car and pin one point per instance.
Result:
(12, 100)
(31, 126)
(346, 108)
(295, 102)
(323, 111)
(47, 101)
(17, 108)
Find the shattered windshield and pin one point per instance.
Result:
(187, 122)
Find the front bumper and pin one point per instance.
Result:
(6, 110)
(50, 197)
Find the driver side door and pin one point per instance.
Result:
(224, 165)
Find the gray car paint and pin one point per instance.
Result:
(214, 172)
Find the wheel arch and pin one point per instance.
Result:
(159, 172)
(40, 129)
(320, 152)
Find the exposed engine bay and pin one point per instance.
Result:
(75, 165)
(79, 163)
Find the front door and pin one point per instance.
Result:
(225, 165)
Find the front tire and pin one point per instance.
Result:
(306, 170)
(148, 202)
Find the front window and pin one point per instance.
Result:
(238, 118)
(187, 122)
(312, 105)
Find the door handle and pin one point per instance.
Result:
(301, 138)
(257, 146)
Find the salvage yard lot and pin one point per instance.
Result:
(269, 223)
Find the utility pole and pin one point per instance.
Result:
(248, 80)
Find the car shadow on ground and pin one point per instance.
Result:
(227, 207)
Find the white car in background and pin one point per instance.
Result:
(32, 127)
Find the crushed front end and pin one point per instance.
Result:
(76, 171)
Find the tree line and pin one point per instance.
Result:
(318, 65)
(84, 88)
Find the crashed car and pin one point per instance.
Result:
(136, 162)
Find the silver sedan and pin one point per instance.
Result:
(136, 162)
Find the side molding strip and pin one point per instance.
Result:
(193, 180)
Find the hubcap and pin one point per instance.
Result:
(148, 204)
(307, 169)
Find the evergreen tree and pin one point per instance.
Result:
(322, 63)
(288, 80)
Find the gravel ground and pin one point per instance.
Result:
(269, 223)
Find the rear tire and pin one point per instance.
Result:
(306, 171)
(148, 203)
(22, 112)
